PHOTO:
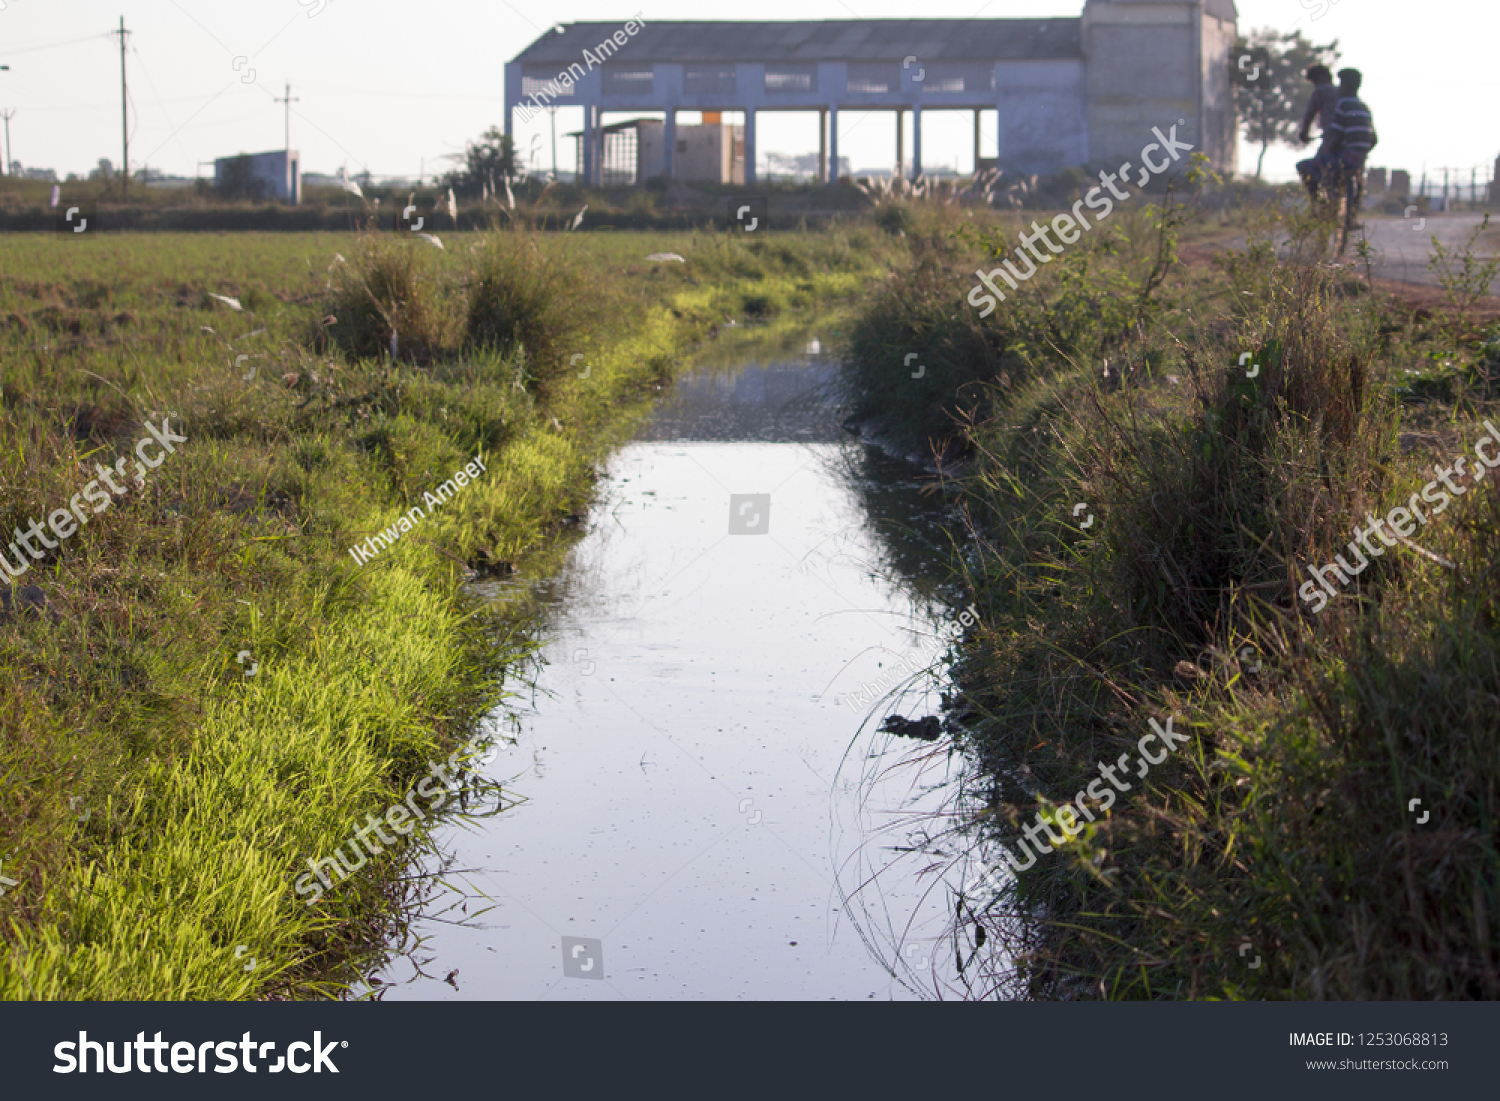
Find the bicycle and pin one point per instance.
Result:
(1339, 203)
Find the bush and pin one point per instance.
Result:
(520, 300)
(894, 218)
(392, 294)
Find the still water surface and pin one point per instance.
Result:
(703, 814)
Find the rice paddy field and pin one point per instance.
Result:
(202, 688)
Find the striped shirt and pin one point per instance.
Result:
(1352, 131)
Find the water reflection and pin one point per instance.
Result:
(708, 811)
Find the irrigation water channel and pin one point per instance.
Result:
(702, 813)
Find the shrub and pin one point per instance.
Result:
(392, 288)
(519, 299)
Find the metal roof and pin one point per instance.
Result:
(827, 40)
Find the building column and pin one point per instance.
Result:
(669, 136)
(916, 142)
(598, 132)
(999, 134)
(900, 142)
(749, 146)
(833, 146)
(976, 140)
(822, 145)
(586, 143)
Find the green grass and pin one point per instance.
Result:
(1284, 826)
(158, 803)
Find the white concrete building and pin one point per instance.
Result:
(1084, 91)
(276, 171)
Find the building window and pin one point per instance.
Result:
(959, 76)
(624, 80)
(874, 77)
(709, 80)
(538, 80)
(786, 77)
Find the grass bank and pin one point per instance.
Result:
(1152, 456)
(202, 688)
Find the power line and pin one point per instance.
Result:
(155, 92)
(55, 45)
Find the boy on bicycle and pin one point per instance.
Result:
(1320, 109)
(1351, 133)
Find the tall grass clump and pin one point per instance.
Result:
(392, 298)
(545, 304)
(1268, 471)
(1077, 308)
(915, 359)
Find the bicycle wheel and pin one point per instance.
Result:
(1350, 221)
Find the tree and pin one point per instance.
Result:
(486, 164)
(1269, 103)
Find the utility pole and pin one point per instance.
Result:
(288, 99)
(7, 115)
(6, 69)
(124, 118)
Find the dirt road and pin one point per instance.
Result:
(1402, 246)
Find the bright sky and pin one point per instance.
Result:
(393, 86)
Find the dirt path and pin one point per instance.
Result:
(1403, 246)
